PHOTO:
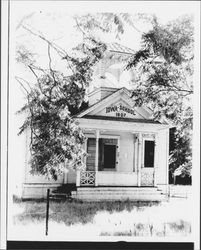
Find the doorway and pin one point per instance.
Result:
(147, 171)
(109, 156)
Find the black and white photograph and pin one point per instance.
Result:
(100, 127)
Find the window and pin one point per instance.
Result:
(149, 154)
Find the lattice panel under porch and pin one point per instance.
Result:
(87, 178)
(147, 179)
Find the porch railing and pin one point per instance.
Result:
(87, 178)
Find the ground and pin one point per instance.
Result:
(76, 220)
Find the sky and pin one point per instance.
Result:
(53, 17)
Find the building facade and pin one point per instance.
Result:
(127, 150)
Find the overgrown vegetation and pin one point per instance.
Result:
(73, 212)
(105, 218)
(164, 82)
(55, 139)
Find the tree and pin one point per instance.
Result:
(164, 69)
(109, 22)
(56, 140)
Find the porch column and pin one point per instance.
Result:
(85, 148)
(96, 159)
(155, 159)
(65, 179)
(65, 172)
(135, 167)
(139, 159)
(77, 178)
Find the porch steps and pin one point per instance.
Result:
(118, 193)
(63, 192)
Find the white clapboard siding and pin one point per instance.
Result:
(91, 150)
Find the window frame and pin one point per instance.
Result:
(143, 152)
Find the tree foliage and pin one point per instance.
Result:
(56, 140)
(109, 22)
(164, 69)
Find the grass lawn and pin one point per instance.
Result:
(72, 212)
(105, 218)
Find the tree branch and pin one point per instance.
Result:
(38, 81)
(181, 90)
(173, 90)
(33, 72)
(17, 78)
(62, 53)
(78, 26)
(51, 71)
(21, 79)
(38, 68)
(30, 109)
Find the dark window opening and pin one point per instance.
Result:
(109, 156)
(149, 154)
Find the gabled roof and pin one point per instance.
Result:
(94, 111)
(104, 100)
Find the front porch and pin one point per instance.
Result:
(114, 185)
(118, 158)
(111, 178)
(120, 165)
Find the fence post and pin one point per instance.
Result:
(47, 211)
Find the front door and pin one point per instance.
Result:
(147, 171)
(107, 154)
(109, 157)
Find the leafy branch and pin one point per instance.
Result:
(56, 141)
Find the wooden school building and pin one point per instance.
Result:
(127, 149)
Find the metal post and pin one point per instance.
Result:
(47, 211)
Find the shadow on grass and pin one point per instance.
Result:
(72, 212)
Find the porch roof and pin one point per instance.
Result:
(119, 124)
(108, 118)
